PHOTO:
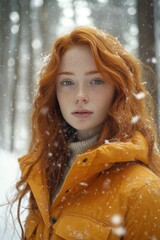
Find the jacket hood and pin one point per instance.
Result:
(85, 167)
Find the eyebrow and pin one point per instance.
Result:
(71, 73)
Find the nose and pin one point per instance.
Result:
(81, 97)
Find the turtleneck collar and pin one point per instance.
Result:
(81, 146)
(83, 142)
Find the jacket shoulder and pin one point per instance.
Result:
(130, 178)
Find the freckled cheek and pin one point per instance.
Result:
(64, 95)
(65, 102)
(103, 101)
(96, 95)
(103, 97)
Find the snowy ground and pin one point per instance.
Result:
(9, 172)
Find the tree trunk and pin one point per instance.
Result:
(147, 39)
(4, 56)
(147, 45)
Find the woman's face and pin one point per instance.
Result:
(84, 96)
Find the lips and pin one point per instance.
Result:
(82, 113)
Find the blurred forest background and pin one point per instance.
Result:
(27, 31)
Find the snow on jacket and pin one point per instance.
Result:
(108, 194)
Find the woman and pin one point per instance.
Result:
(92, 168)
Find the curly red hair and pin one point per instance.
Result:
(50, 132)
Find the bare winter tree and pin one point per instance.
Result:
(9, 53)
(147, 45)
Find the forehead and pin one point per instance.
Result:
(77, 56)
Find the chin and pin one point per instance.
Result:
(83, 127)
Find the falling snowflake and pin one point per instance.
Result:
(50, 154)
(14, 16)
(44, 110)
(119, 231)
(106, 183)
(135, 119)
(83, 184)
(106, 141)
(63, 199)
(36, 44)
(154, 60)
(117, 219)
(106, 164)
(15, 28)
(59, 165)
(36, 3)
(139, 95)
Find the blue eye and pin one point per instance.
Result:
(97, 81)
(66, 83)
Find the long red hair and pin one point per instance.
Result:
(49, 130)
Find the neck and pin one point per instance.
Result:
(86, 134)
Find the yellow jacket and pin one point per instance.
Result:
(108, 194)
